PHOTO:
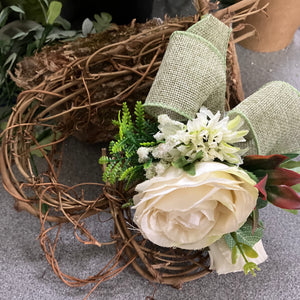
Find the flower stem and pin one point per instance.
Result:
(233, 235)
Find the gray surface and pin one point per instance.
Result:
(25, 273)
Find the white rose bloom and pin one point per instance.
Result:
(220, 257)
(192, 212)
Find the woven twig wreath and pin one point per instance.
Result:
(72, 101)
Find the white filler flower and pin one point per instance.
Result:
(207, 134)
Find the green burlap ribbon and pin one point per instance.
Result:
(192, 72)
(272, 116)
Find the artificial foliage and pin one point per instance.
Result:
(227, 191)
(134, 132)
(142, 145)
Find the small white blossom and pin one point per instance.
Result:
(143, 153)
(207, 133)
(168, 127)
(214, 137)
(150, 172)
(161, 167)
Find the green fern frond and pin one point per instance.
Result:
(131, 151)
(126, 173)
(123, 161)
(118, 146)
(115, 172)
(104, 160)
(140, 116)
(151, 128)
(148, 144)
(106, 174)
(110, 146)
(136, 174)
(126, 116)
(115, 123)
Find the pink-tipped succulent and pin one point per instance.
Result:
(275, 183)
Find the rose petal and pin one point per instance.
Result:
(220, 257)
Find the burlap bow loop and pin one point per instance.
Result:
(272, 116)
(192, 72)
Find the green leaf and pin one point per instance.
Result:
(106, 174)
(190, 169)
(198, 156)
(250, 267)
(261, 203)
(249, 251)
(188, 166)
(115, 172)
(20, 35)
(124, 162)
(127, 173)
(291, 155)
(11, 60)
(290, 164)
(17, 9)
(140, 117)
(180, 162)
(47, 140)
(234, 254)
(44, 208)
(296, 188)
(251, 175)
(65, 24)
(128, 204)
(3, 125)
(53, 11)
(5, 13)
(59, 34)
(255, 219)
(147, 164)
(87, 27)
(3, 16)
(244, 235)
(149, 144)
(292, 211)
(102, 22)
(104, 160)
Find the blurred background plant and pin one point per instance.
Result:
(25, 27)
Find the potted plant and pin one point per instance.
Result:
(274, 26)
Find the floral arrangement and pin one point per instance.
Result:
(193, 188)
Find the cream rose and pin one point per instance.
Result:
(220, 257)
(192, 212)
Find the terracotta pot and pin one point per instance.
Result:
(274, 30)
